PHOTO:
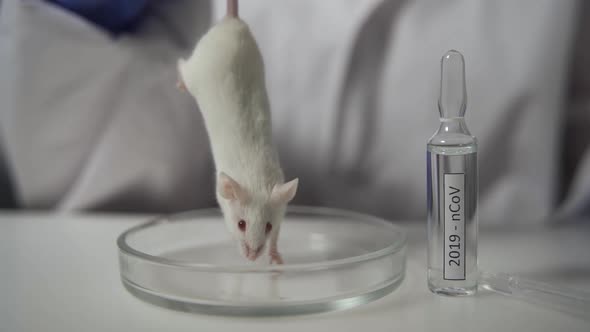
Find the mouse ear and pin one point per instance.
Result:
(230, 189)
(284, 193)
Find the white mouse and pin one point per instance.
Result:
(225, 74)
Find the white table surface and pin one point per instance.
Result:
(60, 273)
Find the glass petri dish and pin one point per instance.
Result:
(333, 260)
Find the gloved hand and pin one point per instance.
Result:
(115, 16)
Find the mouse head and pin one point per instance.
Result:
(254, 218)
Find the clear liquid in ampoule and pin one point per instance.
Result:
(452, 189)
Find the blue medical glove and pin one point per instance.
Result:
(116, 16)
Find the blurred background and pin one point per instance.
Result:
(90, 118)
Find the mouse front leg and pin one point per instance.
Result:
(275, 256)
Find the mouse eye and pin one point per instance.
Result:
(268, 227)
(242, 225)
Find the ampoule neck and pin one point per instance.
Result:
(453, 132)
(454, 125)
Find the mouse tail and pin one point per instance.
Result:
(232, 8)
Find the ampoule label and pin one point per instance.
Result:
(454, 226)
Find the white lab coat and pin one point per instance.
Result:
(92, 122)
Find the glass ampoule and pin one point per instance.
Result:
(452, 189)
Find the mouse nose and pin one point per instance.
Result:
(252, 254)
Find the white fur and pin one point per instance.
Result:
(225, 74)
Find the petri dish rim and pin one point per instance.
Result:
(125, 248)
(263, 310)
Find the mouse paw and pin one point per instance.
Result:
(275, 258)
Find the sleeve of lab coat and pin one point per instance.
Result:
(95, 122)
